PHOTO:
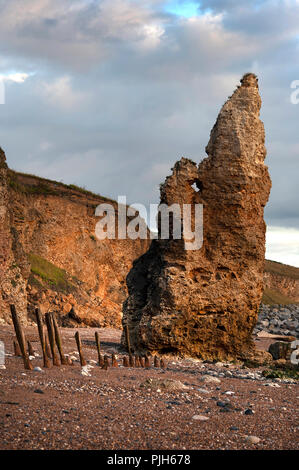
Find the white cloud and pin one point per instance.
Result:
(14, 77)
(61, 94)
(282, 244)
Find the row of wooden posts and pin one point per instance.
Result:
(49, 346)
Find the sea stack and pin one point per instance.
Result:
(204, 302)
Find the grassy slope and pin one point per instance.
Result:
(55, 277)
(31, 184)
(273, 296)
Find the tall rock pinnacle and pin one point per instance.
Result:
(204, 302)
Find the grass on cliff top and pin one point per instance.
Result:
(48, 272)
(281, 269)
(273, 297)
(45, 186)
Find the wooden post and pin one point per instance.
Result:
(50, 328)
(17, 349)
(128, 339)
(106, 363)
(125, 361)
(79, 346)
(147, 364)
(40, 327)
(114, 361)
(131, 361)
(48, 349)
(100, 357)
(64, 360)
(30, 349)
(20, 337)
(137, 363)
(162, 364)
(156, 362)
(141, 361)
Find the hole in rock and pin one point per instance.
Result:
(221, 327)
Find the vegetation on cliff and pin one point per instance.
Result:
(55, 277)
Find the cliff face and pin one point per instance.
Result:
(281, 280)
(204, 302)
(13, 263)
(68, 269)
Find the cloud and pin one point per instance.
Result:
(283, 245)
(14, 77)
(76, 33)
(60, 93)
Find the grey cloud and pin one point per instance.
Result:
(141, 106)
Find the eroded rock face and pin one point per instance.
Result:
(13, 265)
(204, 303)
(43, 221)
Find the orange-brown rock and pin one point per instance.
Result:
(204, 302)
(13, 263)
(50, 257)
(282, 279)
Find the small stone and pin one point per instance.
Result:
(222, 403)
(234, 428)
(252, 439)
(38, 390)
(249, 411)
(38, 369)
(210, 379)
(200, 418)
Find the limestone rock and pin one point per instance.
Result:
(13, 265)
(204, 302)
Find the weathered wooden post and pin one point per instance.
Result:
(48, 349)
(30, 349)
(100, 357)
(106, 363)
(51, 334)
(79, 346)
(64, 360)
(125, 361)
(147, 364)
(156, 362)
(128, 339)
(141, 361)
(17, 350)
(162, 363)
(131, 360)
(137, 363)
(20, 337)
(114, 361)
(40, 327)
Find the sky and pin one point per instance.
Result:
(108, 94)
